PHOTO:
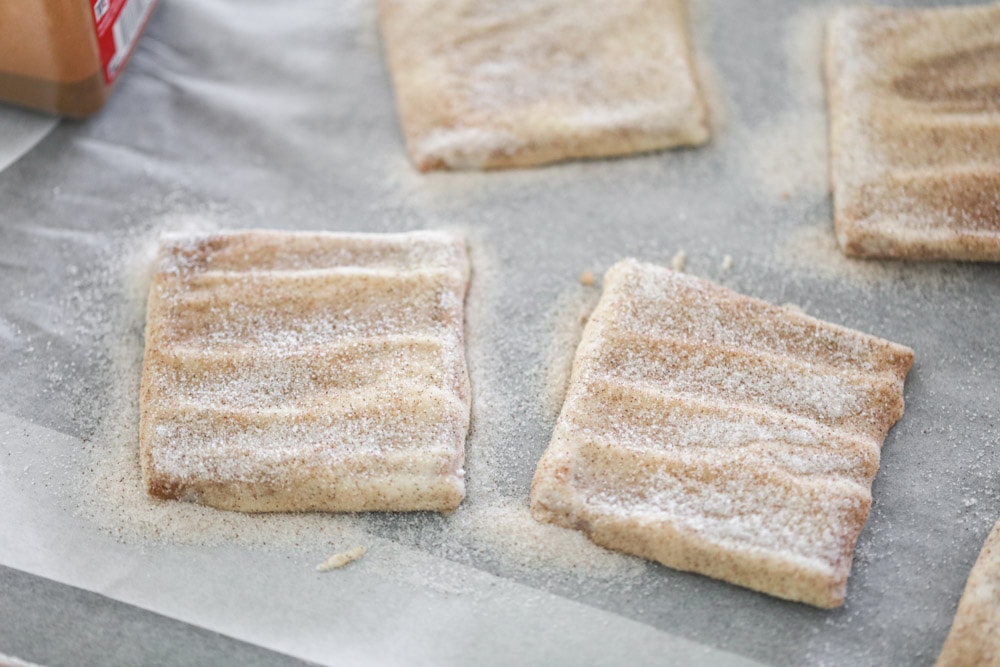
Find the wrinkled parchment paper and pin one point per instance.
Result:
(257, 114)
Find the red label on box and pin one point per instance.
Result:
(118, 24)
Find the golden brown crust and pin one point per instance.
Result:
(974, 639)
(482, 84)
(719, 434)
(300, 372)
(914, 101)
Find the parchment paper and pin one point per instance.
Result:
(20, 130)
(260, 114)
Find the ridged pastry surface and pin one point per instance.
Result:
(307, 372)
(719, 434)
(484, 84)
(914, 99)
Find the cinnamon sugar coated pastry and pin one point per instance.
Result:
(914, 99)
(719, 434)
(307, 371)
(482, 84)
(974, 640)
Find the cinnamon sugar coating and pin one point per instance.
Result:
(307, 372)
(914, 99)
(483, 84)
(719, 434)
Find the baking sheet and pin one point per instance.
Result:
(250, 114)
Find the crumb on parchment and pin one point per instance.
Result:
(679, 261)
(339, 560)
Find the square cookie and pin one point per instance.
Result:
(914, 99)
(719, 434)
(482, 84)
(307, 372)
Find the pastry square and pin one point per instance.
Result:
(914, 99)
(975, 633)
(307, 372)
(484, 84)
(719, 434)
